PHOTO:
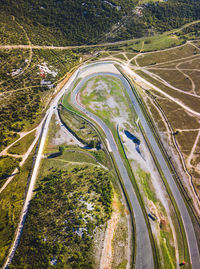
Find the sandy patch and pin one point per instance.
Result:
(63, 136)
(106, 258)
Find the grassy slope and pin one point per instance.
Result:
(23, 144)
(11, 201)
(59, 202)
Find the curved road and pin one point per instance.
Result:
(144, 257)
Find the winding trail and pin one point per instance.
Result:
(159, 79)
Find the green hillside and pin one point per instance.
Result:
(69, 22)
(66, 22)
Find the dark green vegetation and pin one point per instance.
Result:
(11, 201)
(80, 128)
(78, 22)
(156, 17)
(65, 22)
(67, 207)
(7, 166)
(27, 85)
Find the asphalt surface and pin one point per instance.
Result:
(144, 253)
(189, 230)
(144, 256)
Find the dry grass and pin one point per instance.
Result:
(166, 55)
(188, 100)
(130, 55)
(177, 116)
(191, 64)
(120, 57)
(194, 75)
(175, 78)
(175, 62)
(186, 141)
(155, 115)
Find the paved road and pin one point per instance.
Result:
(144, 256)
(190, 234)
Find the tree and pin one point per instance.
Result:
(61, 150)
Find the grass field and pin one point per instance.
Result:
(153, 43)
(7, 166)
(11, 201)
(23, 144)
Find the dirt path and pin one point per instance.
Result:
(171, 69)
(187, 77)
(22, 134)
(24, 156)
(20, 89)
(30, 55)
(139, 54)
(159, 79)
(193, 150)
(107, 256)
(172, 61)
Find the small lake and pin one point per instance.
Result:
(132, 137)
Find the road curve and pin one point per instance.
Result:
(189, 230)
(144, 255)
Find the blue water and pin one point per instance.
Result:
(135, 140)
(132, 137)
